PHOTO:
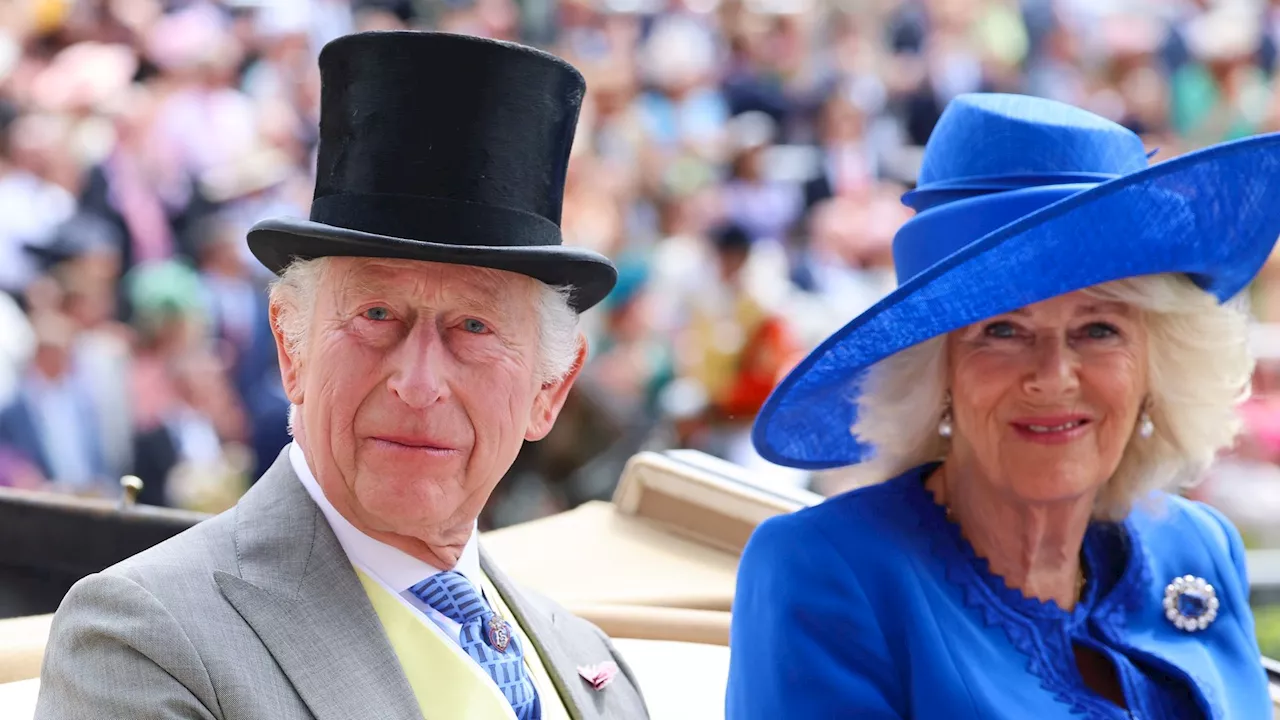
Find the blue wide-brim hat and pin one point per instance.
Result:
(1021, 199)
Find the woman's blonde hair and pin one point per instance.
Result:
(1199, 372)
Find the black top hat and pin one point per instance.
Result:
(445, 148)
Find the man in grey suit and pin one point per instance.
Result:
(426, 324)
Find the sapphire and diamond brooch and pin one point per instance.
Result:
(1190, 603)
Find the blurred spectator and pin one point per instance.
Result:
(204, 116)
(735, 348)
(849, 261)
(683, 111)
(764, 207)
(192, 435)
(83, 259)
(132, 188)
(17, 343)
(1221, 93)
(633, 362)
(847, 163)
(30, 205)
(169, 313)
(233, 302)
(51, 423)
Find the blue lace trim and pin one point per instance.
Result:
(1038, 629)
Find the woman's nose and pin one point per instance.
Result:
(1055, 369)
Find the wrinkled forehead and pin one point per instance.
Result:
(431, 283)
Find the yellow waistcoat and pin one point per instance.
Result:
(447, 684)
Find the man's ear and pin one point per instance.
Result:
(290, 366)
(551, 397)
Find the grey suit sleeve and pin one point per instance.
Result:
(114, 651)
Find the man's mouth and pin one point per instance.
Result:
(416, 443)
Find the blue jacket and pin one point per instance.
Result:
(872, 605)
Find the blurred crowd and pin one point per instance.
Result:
(740, 160)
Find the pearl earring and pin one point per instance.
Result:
(1146, 428)
(944, 425)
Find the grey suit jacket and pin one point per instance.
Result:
(257, 614)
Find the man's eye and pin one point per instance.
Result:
(1000, 330)
(472, 325)
(377, 313)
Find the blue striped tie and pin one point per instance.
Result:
(453, 596)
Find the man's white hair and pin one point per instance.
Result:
(1199, 371)
(295, 293)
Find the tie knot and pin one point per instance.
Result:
(452, 595)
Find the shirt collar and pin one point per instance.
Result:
(392, 566)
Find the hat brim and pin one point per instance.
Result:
(1213, 215)
(279, 241)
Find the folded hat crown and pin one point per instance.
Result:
(993, 135)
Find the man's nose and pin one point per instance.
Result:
(1056, 368)
(420, 360)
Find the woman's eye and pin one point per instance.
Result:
(1000, 330)
(377, 313)
(1100, 331)
(472, 325)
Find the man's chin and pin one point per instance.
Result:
(415, 507)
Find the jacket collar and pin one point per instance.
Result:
(298, 591)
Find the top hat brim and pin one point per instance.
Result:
(591, 276)
(1211, 215)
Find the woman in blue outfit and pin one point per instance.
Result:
(1061, 353)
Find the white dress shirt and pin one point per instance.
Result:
(393, 569)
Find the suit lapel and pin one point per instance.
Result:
(541, 627)
(299, 593)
